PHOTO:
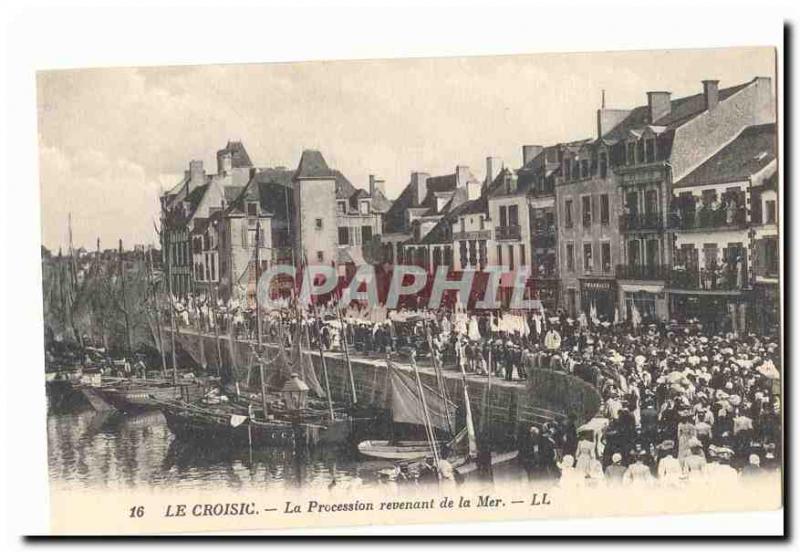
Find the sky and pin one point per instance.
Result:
(112, 139)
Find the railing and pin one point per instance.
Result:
(510, 232)
(643, 272)
(543, 239)
(707, 279)
(647, 221)
(689, 220)
(472, 235)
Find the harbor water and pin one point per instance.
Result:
(117, 450)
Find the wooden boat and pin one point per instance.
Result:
(405, 403)
(230, 425)
(135, 397)
(399, 450)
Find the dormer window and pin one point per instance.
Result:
(252, 209)
(603, 164)
(342, 206)
(650, 150)
(364, 207)
(630, 153)
(640, 151)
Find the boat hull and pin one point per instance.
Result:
(404, 450)
(211, 429)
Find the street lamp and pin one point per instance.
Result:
(295, 393)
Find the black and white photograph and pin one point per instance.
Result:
(443, 289)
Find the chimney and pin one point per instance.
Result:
(473, 190)
(529, 153)
(659, 104)
(493, 167)
(376, 185)
(419, 183)
(462, 175)
(224, 162)
(711, 93)
(197, 175)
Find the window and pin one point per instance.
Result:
(344, 235)
(586, 210)
(650, 150)
(511, 257)
(365, 207)
(462, 253)
(320, 256)
(587, 257)
(584, 168)
(503, 216)
(342, 205)
(605, 256)
(570, 257)
(213, 268)
(603, 164)
(318, 224)
(252, 209)
(522, 254)
(604, 209)
(567, 170)
(500, 255)
(568, 213)
(630, 155)
(640, 151)
(480, 222)
(366, 234)
(771, 255)
(770, 212)
(513, 216)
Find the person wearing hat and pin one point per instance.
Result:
(753, 467)
(694, 465)
(616, 470)
(638, 473)
(570, 478)
(669, 468)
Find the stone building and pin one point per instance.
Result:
(190, 203)
(723, 218)
(654, 145)
(587, 199)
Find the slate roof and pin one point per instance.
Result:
(312, 165)
(440, 234)
(380, 203)
(752, 150)
(682, 110)
(239, 156)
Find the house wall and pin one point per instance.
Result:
(316, 199)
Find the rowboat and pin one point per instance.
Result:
(400, 450)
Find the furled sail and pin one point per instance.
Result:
(303, 365)
(406, 405)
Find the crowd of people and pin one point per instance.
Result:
(678, 404)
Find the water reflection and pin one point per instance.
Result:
(112, 449)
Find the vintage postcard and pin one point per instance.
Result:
(415, 290)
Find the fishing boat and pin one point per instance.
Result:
(134, 396)
(412, 403)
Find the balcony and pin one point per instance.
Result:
(711, 279)
(634, 222)
(510, 232)
(643, 272)
(468, 235)
(707, 219)
(544, 238)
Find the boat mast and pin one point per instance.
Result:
(317, 323)
(428, 425)
(261, 370)
(150, 273)
(347, 354)
(167, 256)
(124, 302)
(439, 379)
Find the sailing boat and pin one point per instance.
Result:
(411, 402)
